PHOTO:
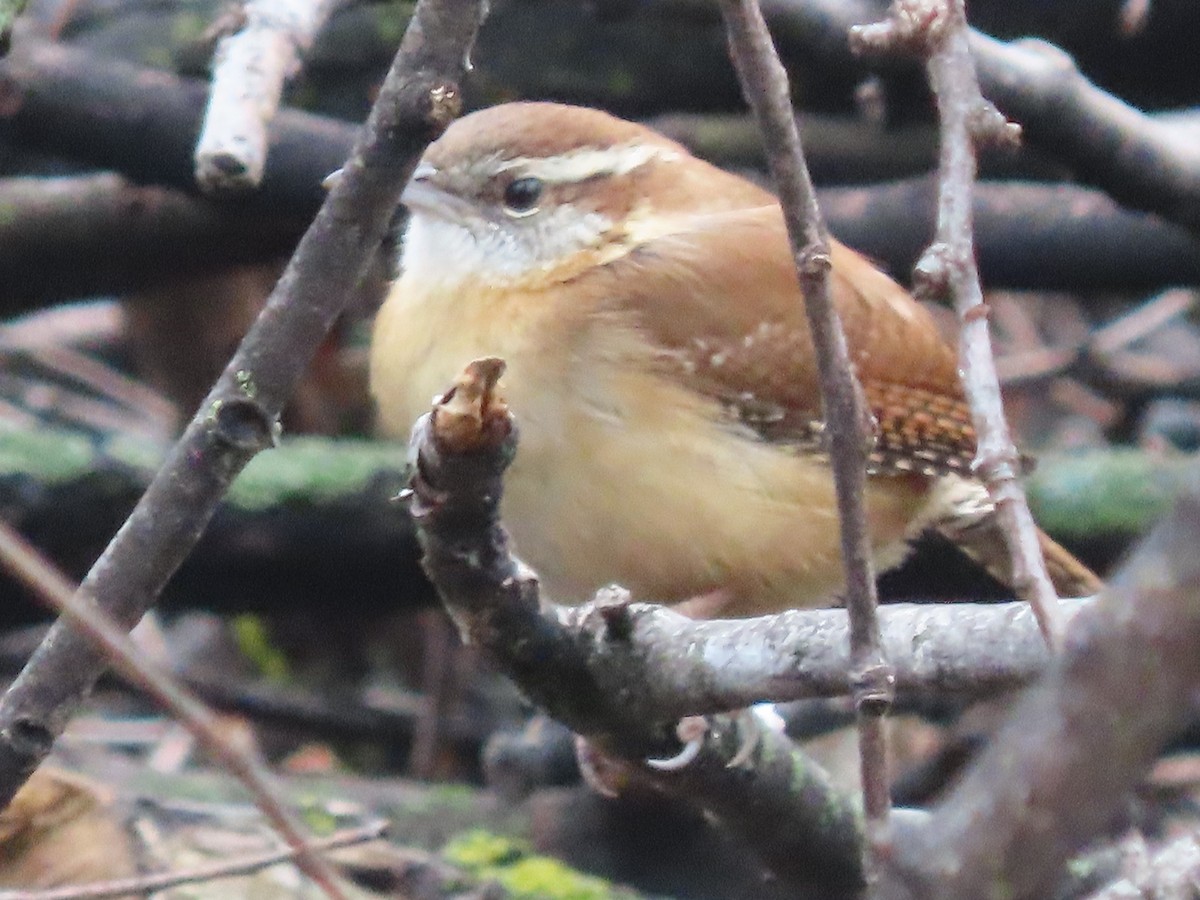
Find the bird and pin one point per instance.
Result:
(661, 369)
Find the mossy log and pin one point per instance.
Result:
(314, 522)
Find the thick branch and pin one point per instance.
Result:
(1058, 773)
(239, 417)
(90, 235)
(1027, 235)
(107, 112)
(1144, 162)
(554, 655)
(314, 519)
(87, 236)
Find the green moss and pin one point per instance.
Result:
(481, 849)
(245, 382)
(188, 27)
(526, 876)
(806, 775)
(540, 876)
(622, 83)
(391, 20)
(307, 470)
(1117, 492)
(304, 95)
(1082, 867)
(9, 10)
(158, 58)
(319, 819)
(452, 796)
(48, 455)
(135, 452)
(254, 641)
(301, 472)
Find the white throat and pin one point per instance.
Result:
(439, 251)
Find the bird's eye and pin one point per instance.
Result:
(521, 196)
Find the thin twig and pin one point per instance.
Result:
(249, 72)
(62, 18)
(938, 29)
(965, 115)
(765, 85)
(1102, 344)
(240, 416)
(1141, 321)
(438, 691)
(155, 411)
(238, 865)
(50, 585)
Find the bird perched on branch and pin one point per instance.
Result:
(661, 369)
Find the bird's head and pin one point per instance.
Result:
(526, 190)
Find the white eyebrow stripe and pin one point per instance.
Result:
(589, 162)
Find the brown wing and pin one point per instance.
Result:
(729, 319)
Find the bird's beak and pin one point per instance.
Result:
(424, 194)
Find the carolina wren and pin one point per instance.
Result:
(661, 369)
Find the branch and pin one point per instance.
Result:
(569, 661)
(240, 416)
(938, 30)
(1027, 235)
(312, 500)
(101, 234)
(107, 112)
(950, 262)
(687, 667)
(1171, 869)
(846, 417)
(86, 107)
(249, 71)
(1061, 768)
(226, 868)
(1145, 162)
(120, 651)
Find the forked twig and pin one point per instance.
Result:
(938, 30)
